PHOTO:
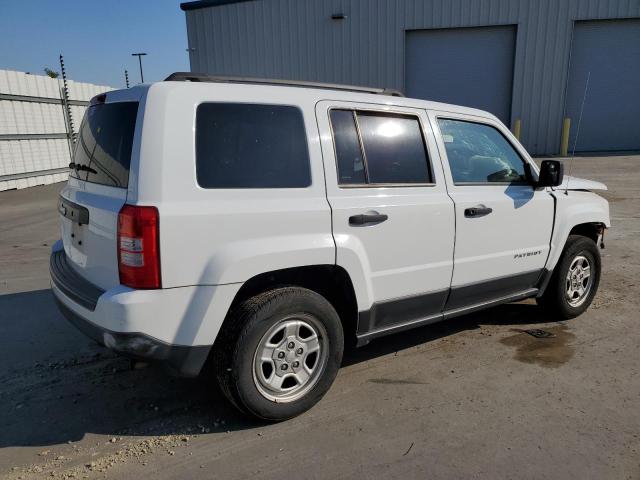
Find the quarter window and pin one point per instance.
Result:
(348, 152)
(479, 153)
(251, 146)
(379, 148)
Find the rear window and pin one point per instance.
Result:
(251, 146)
(103, 149)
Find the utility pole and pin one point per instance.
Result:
(139, 55)
(126, 78)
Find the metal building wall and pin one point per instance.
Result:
(297, 39)
(34, 149)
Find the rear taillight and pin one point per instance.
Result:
(138, 247)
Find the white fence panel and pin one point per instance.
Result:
(34, 149)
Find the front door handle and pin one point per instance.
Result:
(477, 211)
(367, 219)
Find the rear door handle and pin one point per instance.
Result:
(477, 211)
(367, 219)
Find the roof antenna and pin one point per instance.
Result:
(575, 140)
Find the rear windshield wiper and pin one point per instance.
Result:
(82, 168)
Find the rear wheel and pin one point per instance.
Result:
(279, 352)
(575, 280)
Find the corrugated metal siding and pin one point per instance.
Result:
(31, 156)
(297, 39)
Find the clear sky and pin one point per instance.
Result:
(95, 37)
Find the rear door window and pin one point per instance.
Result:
(251, 146)
(394, 148)
(103, 148)
(379, 148)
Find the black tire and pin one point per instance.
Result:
(243, 333)
(554, 300)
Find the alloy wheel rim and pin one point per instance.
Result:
(579, 281)
(290, 358)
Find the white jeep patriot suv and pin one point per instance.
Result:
(258, 225)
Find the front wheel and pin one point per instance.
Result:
(279, 352)
(575, 280)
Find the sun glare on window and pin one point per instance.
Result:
(390, 129)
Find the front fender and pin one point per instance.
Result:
(572, 209)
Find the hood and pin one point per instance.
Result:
(576, 183)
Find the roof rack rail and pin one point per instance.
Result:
(201, 77)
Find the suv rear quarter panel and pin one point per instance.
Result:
(222, 236)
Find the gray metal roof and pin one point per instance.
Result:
(208, 3)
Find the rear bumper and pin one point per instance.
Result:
(175, 326)
(64, 277)
(178, 359)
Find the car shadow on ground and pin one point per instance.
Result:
(510, 315)
(58, 385)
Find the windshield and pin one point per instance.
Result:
(103, 148)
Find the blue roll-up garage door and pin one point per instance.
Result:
(610, 52)
(465, 66)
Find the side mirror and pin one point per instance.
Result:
(551, 173)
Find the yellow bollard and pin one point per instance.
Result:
(564, 142)
(516, 129)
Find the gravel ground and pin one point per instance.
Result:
(472, 398)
